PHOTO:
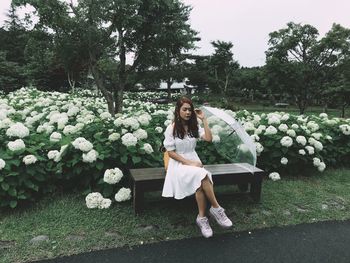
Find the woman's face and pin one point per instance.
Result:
(185, 112)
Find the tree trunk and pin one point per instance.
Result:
(100, 85)
(71, 82)
(169, 83)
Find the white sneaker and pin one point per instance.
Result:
(203, 224)
(220, 217)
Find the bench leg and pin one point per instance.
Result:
(138, 199)
(243, 187)
(255, 190)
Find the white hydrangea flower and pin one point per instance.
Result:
(216, 129)
(316, 135)
(70, 129)
(159, 129)
(167, 123)
(90, 157)
(285, 117)
(274, 176)
(243, 147)
(114, 137)
(105, 203)
(323, 115)
(313, 126)
(329, 137)
(248, 126)
(255, 137)
(52, 154)
(216, 139)
(16, 145)
(271, 130)
(345, 129)
(73, 110)
(132, 123)
(2, 164)
(310, 149)
(17, 130)
(291, 133)
(318, 146)
(105, 115)
(148, 148)
(62, 151)
(286, 141)
(118, 122)
(321, 167)
(259, 148)
(124, 131)
(302, 152)
(123, 195)
(144, 119)
(301, 140)
(283, 127)
(55, 137)
(82, 144)
(274, 119)
(93, 200)
(5, 123)
(29, 159)
(112, 176)
(140, 134)
(316, 161)
(295, 126)
(129, 139)
(284, 160)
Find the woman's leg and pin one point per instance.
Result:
(209, 192)
(201, 202)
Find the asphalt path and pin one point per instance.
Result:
(320, 242)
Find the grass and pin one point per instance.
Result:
(260, 108)
(72, 228)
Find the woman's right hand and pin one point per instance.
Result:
(195, 163)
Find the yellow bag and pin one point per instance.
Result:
(165, 157)
(166, 160)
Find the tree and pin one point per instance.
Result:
(112, 28)
(13, 39)
(301, 63)
(223, 65)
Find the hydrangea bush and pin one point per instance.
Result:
(55, 140)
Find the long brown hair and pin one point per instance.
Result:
(179, 129)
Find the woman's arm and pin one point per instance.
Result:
(207, 132)
(179, 158)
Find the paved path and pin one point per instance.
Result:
(327, 242)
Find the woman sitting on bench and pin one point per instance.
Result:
(185, 173)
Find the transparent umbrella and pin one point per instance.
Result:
(230, 139)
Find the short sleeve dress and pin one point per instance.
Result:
(182, 180)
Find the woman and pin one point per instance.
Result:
(185, 174)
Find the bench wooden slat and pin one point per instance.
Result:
(145, 174)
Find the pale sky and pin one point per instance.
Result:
(247, 23)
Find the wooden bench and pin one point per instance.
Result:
(152, 179)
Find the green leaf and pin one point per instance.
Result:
(136, 159)
(5, 186)
(12, 192)
(99, 165)
(13, 203)
(124, 159)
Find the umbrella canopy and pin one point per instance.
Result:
(230, 139)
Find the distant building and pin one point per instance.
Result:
(178, 87)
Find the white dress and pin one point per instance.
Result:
(182, 180)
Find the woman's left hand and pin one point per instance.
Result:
(200, 114)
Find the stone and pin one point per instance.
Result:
(6, 244)
(39, 239)
(287, 213)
